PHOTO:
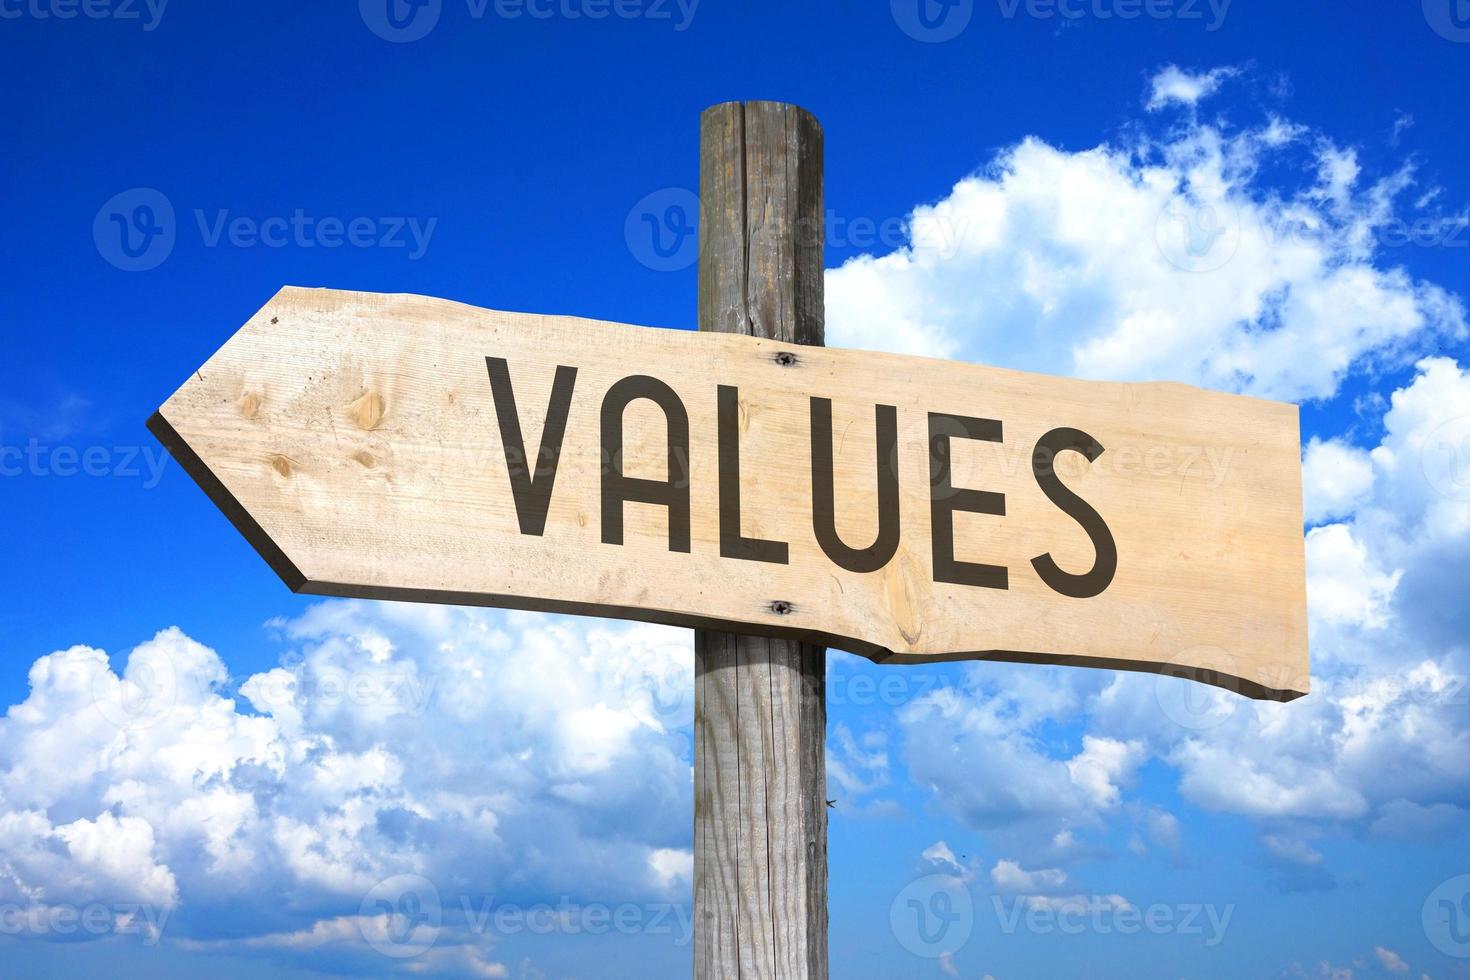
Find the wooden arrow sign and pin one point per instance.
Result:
(907, 509)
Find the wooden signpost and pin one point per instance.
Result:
(794, 496)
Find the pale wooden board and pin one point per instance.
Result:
(354, 439)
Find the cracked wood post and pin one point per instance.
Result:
(760, 715)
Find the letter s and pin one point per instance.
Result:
(1042, 467)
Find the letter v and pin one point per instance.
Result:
(531, 490)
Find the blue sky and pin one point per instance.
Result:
(1253, 196)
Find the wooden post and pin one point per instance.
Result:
(760, 713)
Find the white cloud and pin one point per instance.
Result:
(1408, 820)
(449, 743)
(1164, 829)
(373, 942)
(1009, 876)
(74, 863)
(854, 769)
(1217, 775)
(939, 854)
(672, 867)
(1063, 262)
(1150, 259)
(1103, 764)
(456, 744)
(1424, 460)
(1174, 85)
(973, 746)
(1336, 479)
(1343, 583)
(1292, 850)
(1384, 738)
(1390, 960)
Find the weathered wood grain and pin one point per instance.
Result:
(353, 438)
(760, 819)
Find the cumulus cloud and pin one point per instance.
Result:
(1080, 905)
(981, 749)
(1412, 821)
(1155, 257)
(1344, 582)
(487, 753)
(1336, 479)
(1382, 743)
(455, 746)
(1102, 765)
(1009, 876)
(856, 769)
(1293, 850)
(1164, 829)
(939, 855)
(1174, 85)
(672, 867)
(1170, 256)
(1390, 960)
